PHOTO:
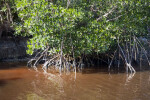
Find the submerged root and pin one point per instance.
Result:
(128, 52)
(127, 57)
(132, 70)
(52, 60)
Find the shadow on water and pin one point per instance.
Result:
(113, 70)
(11, 72)
(94, 70)
(102, 70)
(11, 65)
(3, 82)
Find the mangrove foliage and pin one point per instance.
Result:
(65, 32)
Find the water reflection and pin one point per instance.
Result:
(129, 77)
(90, 84)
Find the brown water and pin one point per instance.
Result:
(20, 83)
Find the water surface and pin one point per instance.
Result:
(17, 82)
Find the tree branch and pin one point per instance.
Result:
(106, 14)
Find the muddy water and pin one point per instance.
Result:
(19, 83)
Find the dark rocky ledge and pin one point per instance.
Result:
(13, 49)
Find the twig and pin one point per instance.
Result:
(106, 14)
(68, 3)
(61, 55)
(143, 50)
(112, 59)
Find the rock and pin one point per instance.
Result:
(10, 49)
